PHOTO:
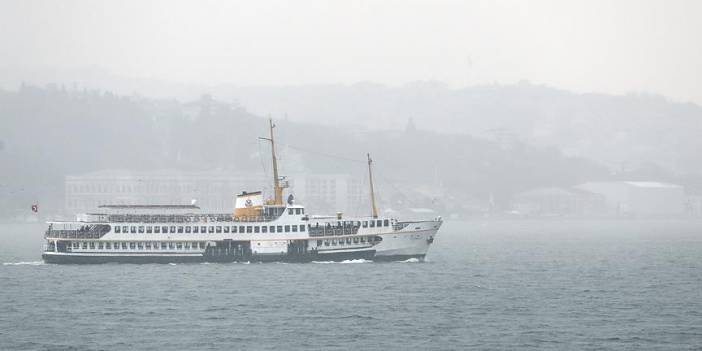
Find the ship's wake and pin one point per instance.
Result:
(360, 260)
(24, 263)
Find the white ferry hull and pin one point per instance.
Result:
(411, 242)
(100, 258)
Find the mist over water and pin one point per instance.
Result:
(561, 284)
(559, 141)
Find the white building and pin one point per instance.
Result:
(214, 191)
(640, 198)
(328, 193)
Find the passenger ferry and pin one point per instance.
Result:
(257, 230)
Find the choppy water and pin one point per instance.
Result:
(554, 285)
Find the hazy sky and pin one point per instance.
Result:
(603, 46)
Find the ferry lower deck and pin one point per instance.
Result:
(409, 242)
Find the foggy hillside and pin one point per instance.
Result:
(52, 132)
(622, 132)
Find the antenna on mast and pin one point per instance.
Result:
(372, 192)
(277, 188)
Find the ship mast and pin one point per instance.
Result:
(277, 188)
(372, 192)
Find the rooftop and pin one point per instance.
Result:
(178, 207)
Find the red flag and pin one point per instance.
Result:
(35, 208)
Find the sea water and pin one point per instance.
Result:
(546, 285)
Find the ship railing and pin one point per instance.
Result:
(316, 231)
(84, 232)
(399, 226)
(254, 218)
(199, 218)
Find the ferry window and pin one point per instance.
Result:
(218, 229)
(116, 246)
(124, 229)
(226, 229)
(196, 229)
(171, 246)
(365, 224)
(298, 211)
(187, 244)
(157, 229)
(156, 245)
(117, 229)
(294, 228)
(164, 246)
(279, 229)
(348, 240)
(141, 229)
(233, 229)
(148, 245)
(363, 239)
(132, 245)
(180, 229)
(101, 246)
(372, 224)
(149, 229)
(241, 229)
(355, 240)
(140, 245)
(287, 228)
(179, 246)
(173, 229)
(133, 229)
(334, 242)
(202, 245)
(272, 229)
(257, 229)
(249, 229)
(108, 246)
(319, 242)
(379, 223)
(302, 227)
(210, 229)
(264, 229)
(92, 245)
(326, 242)
(188, 229)
(203, 229)
(386, 223)
(164, 229)
(290, 211)
(124, 246)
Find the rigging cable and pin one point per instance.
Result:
(325, 154)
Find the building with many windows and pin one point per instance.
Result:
(213, 191)
(322, 193)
